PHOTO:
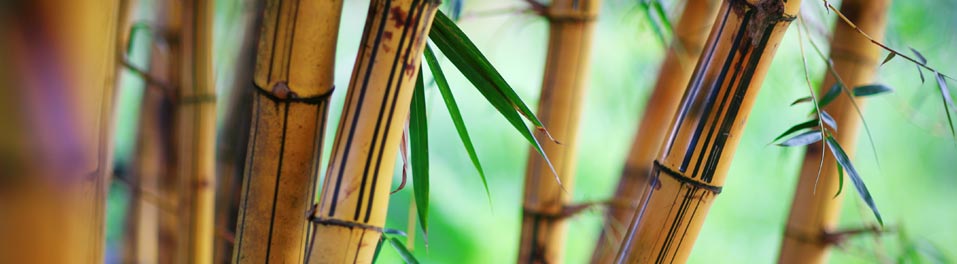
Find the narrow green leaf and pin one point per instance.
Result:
(378, 249)
(948, 102)
(840, 180)
(844, 161)
(871, 89)
(802, 139)
(920, 57)
(807, 124)
(456, 115)
(660, 10)
(419, 148)
(801, 100)
(394, 232)
(655, 26)
(828, 120)
(403, 251)
(890, 56)
(830, 95)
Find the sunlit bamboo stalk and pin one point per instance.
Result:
(814, 212)
(355, 193)
(692, 164)
(691, 33)
(233, 135)
(63, 57)
(294, 78)
(563, 86)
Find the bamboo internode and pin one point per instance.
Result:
(563, 87)
(691, 33)
(692, 164)
(294, 78)
(355, 193)
(815, 212)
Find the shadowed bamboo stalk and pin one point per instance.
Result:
(814, 212)
(63, 57)
(294, 78)
(233, 135)
(566, 70)
(355, 193)
(692, 164)
(691, 33)
(195, 134)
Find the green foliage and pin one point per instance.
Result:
(419, 148)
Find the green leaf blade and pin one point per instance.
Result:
(807, 124)
(419, 148)
(403, 251)
(871, 89)
(842, 160)
(802, 139)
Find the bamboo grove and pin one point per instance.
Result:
(257, 186)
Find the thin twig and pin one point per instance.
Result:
(820, 118)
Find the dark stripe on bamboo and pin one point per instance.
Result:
(275, 195)
(684, 179)
(247, 178)
(355, 118)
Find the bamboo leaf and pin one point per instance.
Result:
(443, 85)
(845, 162)
(802, 139)
(920, 57)
(830, 95)
(871, 89)
(828, 120)
(801, 100)
(948, 101)
(890, 56)
(403, 251)
(808, 124)
(479, 71)
(419, 148)
(378, 249)
(840, 181)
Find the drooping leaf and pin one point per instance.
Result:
(419, 148)
(890, 56)
(802, 139)
(830, 95)
(840, 181)
(403, 251)
(378, 249)
(828, 120)
(920, 57)
(456, 115)
(801, 100)
(842, 160)
(479, 71)
(796, 128)
(948, 101)
(871, 89)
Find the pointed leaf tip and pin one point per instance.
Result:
(842, 159)
(802, 139)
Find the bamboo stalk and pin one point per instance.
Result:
(355, 194)
(195, 133)
(563, 86)
(294, 78)
(693, 163)
(691, 33)
(814, 212)
(63, 56)
(233, 135)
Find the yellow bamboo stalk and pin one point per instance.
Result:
(692, 164)
(195, 134)
(233, 135)
(691, 32)
(294, 78)
(563, 86)
(63, 56)
(814, 213)
(355, 194)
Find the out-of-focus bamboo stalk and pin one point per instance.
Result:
(563, 87)
(63, 57)
(294, 78)
(692, 164)
(233, 135)
(814, 213)
(691, 33)
(355, 194)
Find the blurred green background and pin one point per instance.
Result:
(913, 186)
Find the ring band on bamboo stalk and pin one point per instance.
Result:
(293, 79)
(563, 87)
(691, 32)
(356, 186)
(706, 130)
(815, 212)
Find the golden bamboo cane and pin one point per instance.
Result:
(566, 70)
(355, 194)
(693, 163)
(814, 213)
(63, 57)
(294, 78)
(691, 33)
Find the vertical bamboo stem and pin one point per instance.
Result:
(693, 163)
(814, 213)
(294, 78)
(355, 194)
(566, 70)
(691, 33)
